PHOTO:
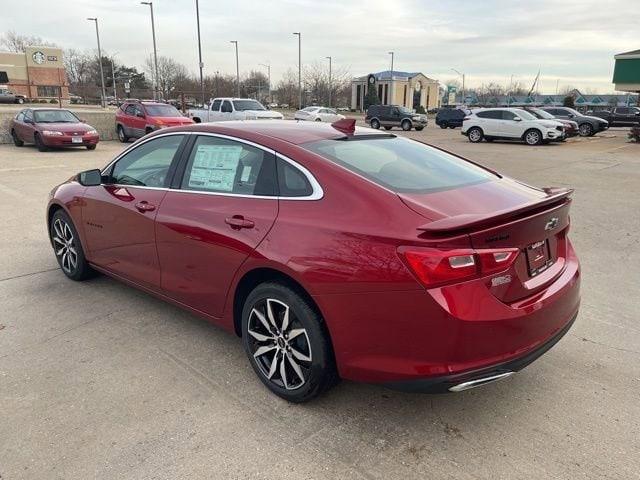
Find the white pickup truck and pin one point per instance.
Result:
(221, 109)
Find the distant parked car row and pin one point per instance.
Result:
(7, 96)
(318, 114)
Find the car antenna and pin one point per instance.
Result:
(345, 125)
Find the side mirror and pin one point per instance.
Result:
(638, 112)
(139, 114)
(90, 178)
(82, 120)
(570, 115)
(517, 119)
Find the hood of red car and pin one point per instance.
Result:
(172, 121)
(65, 127)
(479, 199)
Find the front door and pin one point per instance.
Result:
(509, 126)
(119, 216)
(206, 229)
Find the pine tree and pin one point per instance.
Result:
(371, 98)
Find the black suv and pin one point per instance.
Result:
(389, 116)
(450, 117)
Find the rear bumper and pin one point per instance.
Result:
(446, 383)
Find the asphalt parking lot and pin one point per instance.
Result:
(98, 380)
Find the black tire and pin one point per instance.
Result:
(309, 366)
(375, 124)
(121, 135)
(65, 240)
(452, 126)
(406, 125)
(16, 141)
(39, 143)
(388, 127)
(318, 120)
(419, 129)
(147, 131)
(475, 134)
(586, 130)
(91, 147)
(532, 137)
(444, 125)
(196, 120)
(19, 101)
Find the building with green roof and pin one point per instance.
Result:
(626, 74)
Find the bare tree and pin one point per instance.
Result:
(316, 83)
(170, 73)
(15, 42)
(287, 88)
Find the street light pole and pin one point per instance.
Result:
(391, 81)
(464, 96)
(299, 34)
(155, 51)
(200, 52)
(268, 65)
(329, 105)
(104, 93)
(237, 70)
(113, 78)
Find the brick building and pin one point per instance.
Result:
(37, 73)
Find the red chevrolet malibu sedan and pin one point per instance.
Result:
(52, 127)
(332, 251)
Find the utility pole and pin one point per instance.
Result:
(200, 53)
(113, 78)
(329, 105)
(391, 81)
(155, 51)
(268, 65)
(104, 93)
(464, 96)
(299, 34)
(237, 70)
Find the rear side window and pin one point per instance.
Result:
(493, 114)
(291, 181)
(401, 165)
(226, 166)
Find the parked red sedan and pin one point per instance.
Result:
(333, 251)
(52, 127)
(134, 119)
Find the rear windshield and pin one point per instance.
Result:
(162, 111)
(401, 165)
(242, 105)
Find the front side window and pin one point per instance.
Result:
(216, 105)
(507, 115)
(130, 110)
(225, 166)
(20, 116)
(242, 105)
(401, 165)
(147, 165)
(55, 116)
(524, 115)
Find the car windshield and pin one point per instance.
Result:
(575, 112)
(400, 164)
(241, 105)
(541, 114)
(162, 111)
(54, 116)
(525, 115)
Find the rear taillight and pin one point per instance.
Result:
(435, 267)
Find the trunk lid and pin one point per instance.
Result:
(504, 214)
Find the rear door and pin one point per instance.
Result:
(490, 122)
(219, 211)
(119, 216)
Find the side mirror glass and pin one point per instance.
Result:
(570, 115)
(90, 178)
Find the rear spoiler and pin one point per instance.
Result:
(470, 220)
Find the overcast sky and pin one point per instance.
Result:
(489, 40)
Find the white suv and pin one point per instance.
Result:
(510, 124)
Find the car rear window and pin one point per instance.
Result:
(401, 165)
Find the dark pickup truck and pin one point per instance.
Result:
(620, 116)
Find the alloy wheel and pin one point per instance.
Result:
(585, 130)
(65, 246)
(475, 135)
(532, 138)
(279, 344)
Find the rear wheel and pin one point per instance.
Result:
(406, 125)
(444, 125)
(318, 119)
(375, 124)
(533, 137)
(121, 135)
(16, 140)
(20, 100)
(67, 247)
(39, 143)
(475, 134)
(586, 130)
(287, 344)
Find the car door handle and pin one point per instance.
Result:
(238, 221)
(145, 206)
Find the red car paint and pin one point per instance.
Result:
(26, 130)
(347, 251)
(139, 118)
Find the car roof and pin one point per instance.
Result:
(291, 131)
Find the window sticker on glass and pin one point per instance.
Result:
(215, 166)
(246, 173)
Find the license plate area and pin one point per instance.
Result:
(76, 139)
(538, 257)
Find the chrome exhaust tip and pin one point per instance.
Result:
(479, 382)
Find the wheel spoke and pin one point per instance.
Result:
(60, 251)
(300, 356)
(64, 261)
(285, 319)
(260, 337)
(72, 259)
(263, 349)
(272, 318)
(67, 231)
(296, 368)
(283, 374)
(58, 228)
(295, 332)
(59, 240)
(274, 366)
(262, 319)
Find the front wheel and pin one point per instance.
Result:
(39, 143)
(19, 101)
(475, 134)
(67, 247)
(16, 140)
(287, 343)
(533, 137)
(121, 135)
(586, 130)
(444, 125)
(406, 125)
